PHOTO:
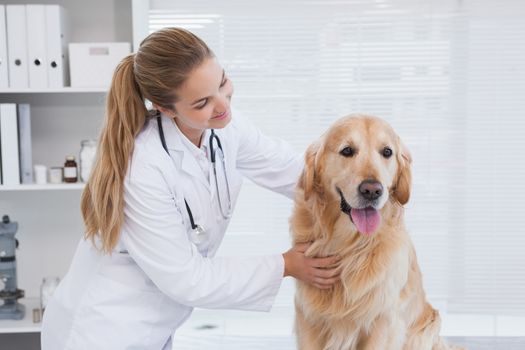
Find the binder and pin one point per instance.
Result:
(24, 143)
(1, 177)
(9, 144)
(56, 33)
(36, 45)
(4, 77)
(17, 46)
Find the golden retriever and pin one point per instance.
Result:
(349, 202)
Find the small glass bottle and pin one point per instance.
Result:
(88, 149)
(70, 170)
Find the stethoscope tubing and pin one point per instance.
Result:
(213, 159)
(197, 228)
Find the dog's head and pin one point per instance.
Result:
(359, 164)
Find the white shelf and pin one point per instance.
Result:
(63, 90)
(25, 325)
(46, 187)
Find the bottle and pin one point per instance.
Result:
(88, 149)
(70, 170)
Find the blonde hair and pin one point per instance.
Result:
(160, 66)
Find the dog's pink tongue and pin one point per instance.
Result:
(367, 220)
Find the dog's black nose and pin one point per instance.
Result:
(371, 189)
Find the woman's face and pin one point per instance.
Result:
(204, 100)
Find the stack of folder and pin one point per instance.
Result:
(16, 163)
(33, 44)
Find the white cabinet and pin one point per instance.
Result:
(49, 218)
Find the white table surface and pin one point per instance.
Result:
(236, 330)
(25, 325)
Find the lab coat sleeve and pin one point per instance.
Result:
(155, 236)
(268, 162)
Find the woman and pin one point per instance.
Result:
(156, 209)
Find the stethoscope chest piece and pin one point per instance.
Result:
(198, 234)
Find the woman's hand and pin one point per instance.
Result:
(319, 272)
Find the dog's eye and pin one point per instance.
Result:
(347, 151)
(387, 152)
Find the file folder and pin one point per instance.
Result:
(1, 175)
(4, 77)
(36, 45)
(24, 143)
(56, 33)
(17, 46)
(9, 144)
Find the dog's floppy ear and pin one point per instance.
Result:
(404, 174)
(307, 179)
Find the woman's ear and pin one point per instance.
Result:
(404, 174)
(308, 177)
(168, 112)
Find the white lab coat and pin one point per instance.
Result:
(138, 300)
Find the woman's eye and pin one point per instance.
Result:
(203, 104)
(387, 152)
(347, 151)
(224, 82)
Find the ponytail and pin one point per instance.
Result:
(102, 202)
(160, 67)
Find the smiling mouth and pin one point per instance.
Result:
(366, 220)
(345, 207)
(220, 116)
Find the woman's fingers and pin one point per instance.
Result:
(325, 273)
(319, 272)
(323, 263)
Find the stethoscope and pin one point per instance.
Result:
(198, 232)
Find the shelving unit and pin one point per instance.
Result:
(64, 90)
(46, 187)
(49, 217)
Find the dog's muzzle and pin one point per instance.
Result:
(366, 220)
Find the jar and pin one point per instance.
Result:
(49, 284)
(88, 150)
(56, 174)
(40, 174)
(70, 170)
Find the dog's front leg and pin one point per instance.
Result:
(387, 332)
(309, 337)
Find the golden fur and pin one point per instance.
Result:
(379, 302)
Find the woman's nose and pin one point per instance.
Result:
(223, 104)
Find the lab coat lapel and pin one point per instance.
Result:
(181, 156)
